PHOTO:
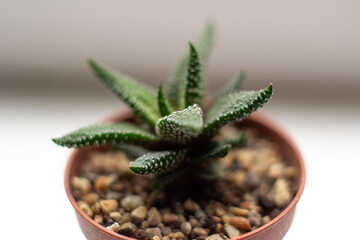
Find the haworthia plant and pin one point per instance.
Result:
(178, 135)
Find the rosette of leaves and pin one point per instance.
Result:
(174, 134)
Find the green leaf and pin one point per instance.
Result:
(141, 99)
(164, 179)
(106, 133)
(194, 87)
(132, 151)
(235, 85)
(164, 105)
(158, 162)
(212, 172)
(181, 126)
(178, 81)
(205, 44)
(236, 141)
(211, 151)
(235, 107)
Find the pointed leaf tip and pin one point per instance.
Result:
(165, 107)
(235, 107)
(181, 127)
(194, 86)
(178, 82)
(140, 98)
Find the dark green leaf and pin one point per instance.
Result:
(132, 151)
(158, 162)
(178, 81)
(235, 107)
(106, 133)
(212, 172)
(194, 87)
(164, 105)
(141, 99)
(181, 126)
(211, 151)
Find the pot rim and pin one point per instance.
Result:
(255, 117)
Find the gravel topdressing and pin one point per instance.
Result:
(256, 187)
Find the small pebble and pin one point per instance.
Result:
(217, 219)
(155, 238)
(239, 211)
(138, 214)
(194, 223)
(214, 237)
(226, 218)
(199, 214)
(276, 170)
(86, 209)
(116, 216)
(81, 184)
(218, 228)
(186, 228)
(169, 218)
(255, 218)
(191, 206)
(115, 227)
(181, 218)
(127, 217)
(176, 235)
(160, 225)
(238, 178)
(231, 231)
(165, 230)
(114, 195)
(96, 208)
(101, 183)
(91, 198)
(98, 219)
(153, 231)
(290, 172)
(128, 225)
(266, 219)
(154, 216)
(219, 211)
(130, 202)
(200, 231)
(108, 206)
(166, 238)
(281, 191)
(240, 223)
(145, 224)
(251, 180)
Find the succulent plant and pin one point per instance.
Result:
(174, 135)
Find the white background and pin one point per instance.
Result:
(309, 49)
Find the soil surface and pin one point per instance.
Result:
(256, 187)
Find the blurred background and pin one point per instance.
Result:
(309, 49)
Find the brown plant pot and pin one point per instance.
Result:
(274, 230)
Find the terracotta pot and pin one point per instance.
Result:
(274, 230)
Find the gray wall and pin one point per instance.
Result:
(304, 47)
